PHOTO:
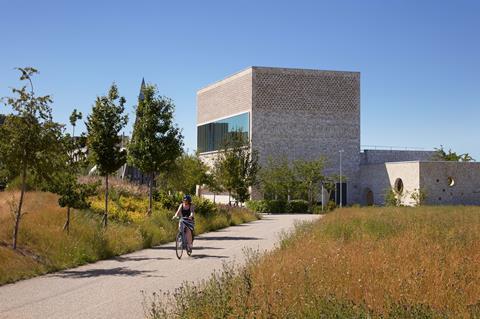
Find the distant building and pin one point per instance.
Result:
(305, 114)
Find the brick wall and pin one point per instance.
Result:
(230, 96)
(383, 156)
(305, 114)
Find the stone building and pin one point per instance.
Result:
(306, 114)
(442, 183)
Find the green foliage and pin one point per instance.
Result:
(441, 155)
(258, 206)
(104, 141)
(297, 206)
(392, 198)
(156, 142)
(187, 172)
(277, 179)
(74, 117)
(203, 206)
(419, 196)
(104, 125)
(168, 201)
(309, 175)
(237, 167)
(213, 183)
(267, 206)
(29, 140)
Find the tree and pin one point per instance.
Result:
(441, 155)
(330, 183)
(73, 120)
(72, 193)
(187, 172)
(309, 175)
(277, 179)
(237, 167)
(29, 140)
(156, 142)
(103, 139)
(213, 183)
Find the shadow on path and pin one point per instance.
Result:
(201, 256)
(194, 247)
(119, 271)
(227, 238)
(139, 258)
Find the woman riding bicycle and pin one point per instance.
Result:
(186, 210)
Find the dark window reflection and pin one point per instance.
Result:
(212, 136)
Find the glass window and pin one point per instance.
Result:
(212, 136)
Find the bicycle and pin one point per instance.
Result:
(181, 240)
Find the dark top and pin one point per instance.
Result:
(186, 212)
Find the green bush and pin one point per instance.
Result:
(296, 207)
(168, 201)
(267, 206)
(203, 206)
(258, 206)
(276, 206)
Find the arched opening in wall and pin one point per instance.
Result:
(451, 181)
(398, 186)
(369, 197)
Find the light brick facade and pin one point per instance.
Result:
(294, 113)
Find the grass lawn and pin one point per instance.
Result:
(390, 262)
(44, 247)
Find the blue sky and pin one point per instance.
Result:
(419, 60)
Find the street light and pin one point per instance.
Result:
(340, 151)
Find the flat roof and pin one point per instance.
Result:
(267, 68)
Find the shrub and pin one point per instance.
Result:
(168, 201)
(269, 206)
(331, 205)
(391, 198)
(203, 206)
(296, 207)
(258, 206)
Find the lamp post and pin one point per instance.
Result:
(341, 151)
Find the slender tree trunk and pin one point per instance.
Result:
(73, 131)
(66, 227)
(18, 215)
(150, 194)
(214, 198)
(105, 215)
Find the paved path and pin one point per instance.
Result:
(112, 288)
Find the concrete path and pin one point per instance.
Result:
(112, 288)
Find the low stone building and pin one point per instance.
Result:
(441, 183)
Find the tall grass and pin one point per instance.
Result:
(45, 247)
(419, 262)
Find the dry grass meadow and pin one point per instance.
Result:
(45, 247)
(391, 262)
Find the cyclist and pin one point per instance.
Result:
(186, 210)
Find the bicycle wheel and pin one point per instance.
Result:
(179, 245)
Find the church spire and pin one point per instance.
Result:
(142, 86)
